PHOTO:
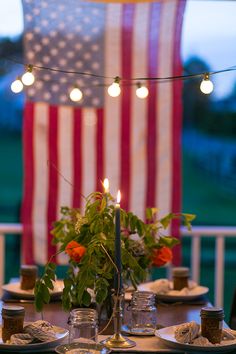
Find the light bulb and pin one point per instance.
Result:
(17, 86)
(114, 89)
(142, 91)
(206, 85)
(76, 94)
(28, 78)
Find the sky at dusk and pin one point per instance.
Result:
(209, 32)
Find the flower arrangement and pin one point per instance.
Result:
(89, 240)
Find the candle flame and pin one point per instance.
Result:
(118, 198)
(106, 185)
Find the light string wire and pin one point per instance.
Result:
(123, 79)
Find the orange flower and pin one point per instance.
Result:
(75, 251)
(161, 256)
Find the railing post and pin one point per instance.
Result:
(195, 266)
(2, 260)
(219, 271)
(6, 229)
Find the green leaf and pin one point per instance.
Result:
(83, 277)
(101, 295)
(168, 241)
(150, 213)
(165, 221)
(38, 304)
(66, 301)
(139, 226)
(103, 204)
(68, 283)
(51, 266)
(48, 282)
(86, 298)
(45, 293)
(188, 218)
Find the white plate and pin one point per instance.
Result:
(61, 334)
(193, 293)
(126, 329)
(167, 337)
(15, 290)
(86, 347)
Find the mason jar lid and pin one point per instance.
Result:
(13, 310)
(28, 270)
(180, 272)
(212, 312)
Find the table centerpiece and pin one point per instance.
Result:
(88, 238)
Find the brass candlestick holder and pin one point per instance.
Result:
(117, 340)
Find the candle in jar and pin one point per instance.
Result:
(118, 282)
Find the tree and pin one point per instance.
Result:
(196, 104)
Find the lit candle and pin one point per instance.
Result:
(106, 185)
(118, 280)
(106, 189)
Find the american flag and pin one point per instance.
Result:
(70, 148)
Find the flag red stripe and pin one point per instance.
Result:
(176, 129)
(27, 207)
(152, 105)
(126, 102)
(77, 146)
(52, 174)
(100, 149)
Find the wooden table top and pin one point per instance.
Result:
(168, 314)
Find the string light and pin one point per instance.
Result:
(114, 89)
(206, 85)
(141, 91)
(28, 77)
(76, 94)
(17, 86)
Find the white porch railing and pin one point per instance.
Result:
(196, 234)
(6, 230)
(219, 233)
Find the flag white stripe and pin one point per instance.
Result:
(138, 170)
(39, 213)
(65, 156)
(89, 122)
(165, 104)
(65, 162)
(112, 109)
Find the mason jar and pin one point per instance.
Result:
(212, 323)
(180, 277)
(28, 274)
(143, 312)
(12, 321)
(83, 325)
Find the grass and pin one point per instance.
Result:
(201, 196)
